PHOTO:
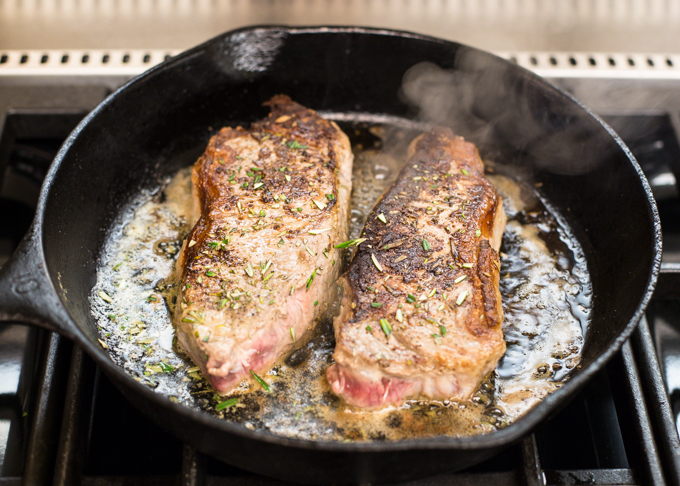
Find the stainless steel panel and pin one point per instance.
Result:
(497, 25)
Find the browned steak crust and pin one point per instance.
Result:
(421, 313)
(269, 203)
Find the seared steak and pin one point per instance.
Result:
(421, 312)
(270, 202)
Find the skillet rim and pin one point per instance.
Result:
(496, 439)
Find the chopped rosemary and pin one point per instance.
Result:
(226, 404)
(389, 289)
(410, 298)
(454, 252)
(460, 279)
(292, 333)
(393, 244)
(376, 304)
(296, 145)
(310, 279)
(280, 243)
(381, 217)
(349, 243)
(218, 245)
(166, 367)
(387, 329)
(442, 330)
(369, 328)
(464, 171)
(316, 232)
(375, 262)
(105, 296)
(426, 245)
(330, 197)
(261, 382)
(461, 297)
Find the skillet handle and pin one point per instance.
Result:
(26, 291)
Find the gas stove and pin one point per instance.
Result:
(62, 422)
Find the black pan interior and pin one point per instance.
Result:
(163, 120)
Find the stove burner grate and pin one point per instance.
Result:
(63, 422)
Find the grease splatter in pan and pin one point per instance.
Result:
(544, 285)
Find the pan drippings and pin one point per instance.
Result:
(544, 283)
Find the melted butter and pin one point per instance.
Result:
(544, 284)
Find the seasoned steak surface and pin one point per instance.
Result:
(421, 313)
(269, 203)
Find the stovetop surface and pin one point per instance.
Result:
(63, 422)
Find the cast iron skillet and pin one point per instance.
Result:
(162, 120)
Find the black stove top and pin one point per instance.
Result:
(62, 422)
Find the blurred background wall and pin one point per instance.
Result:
(497, 25)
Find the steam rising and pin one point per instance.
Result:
(508, 113)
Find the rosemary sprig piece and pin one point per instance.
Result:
(261, 382)
(348, 243)
(376, 263)
(226, 404)
(387, 329)
(311, 279)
